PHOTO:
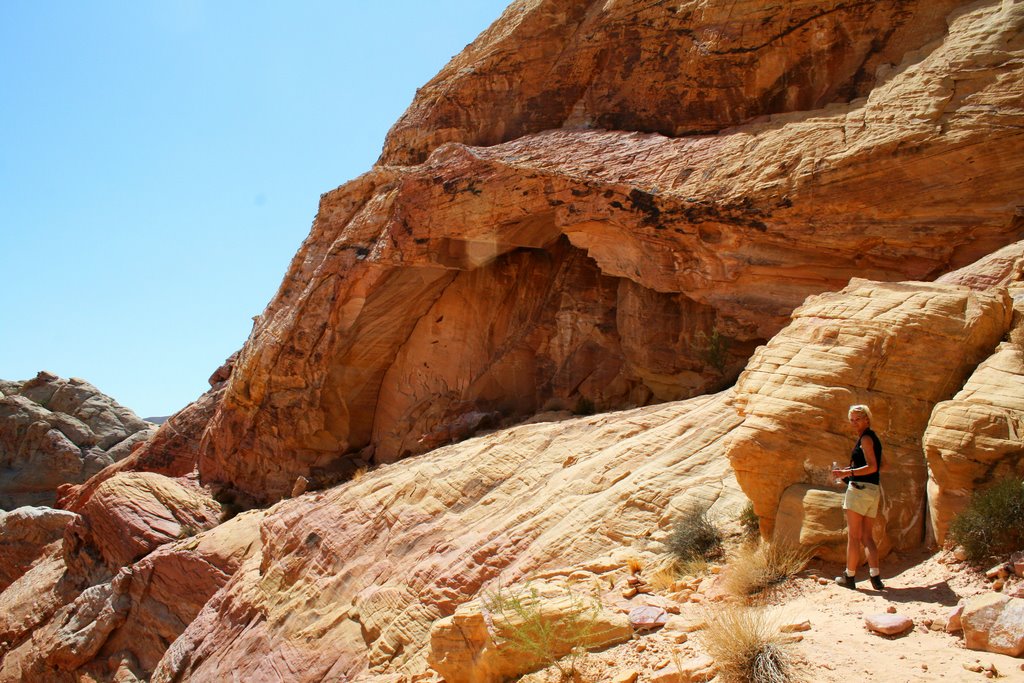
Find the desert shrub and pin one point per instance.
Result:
(558, 642)
(746, 645)
(993, 522)
(712, 349)
(756, 567)
(749, 520)
(694, 537)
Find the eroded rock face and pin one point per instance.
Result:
(24, 535)
(131, 514)
(351, 579)
(123, 625)
(861, 345)
(671, 69)
(55, 431)
(975, 439)
(506, 278)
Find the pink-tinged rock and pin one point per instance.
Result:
(24, 535)
(645, 617)
(953, 623)
(994, 623)
(131, 513)
(888, 624)
(145, 607)
(369, 566)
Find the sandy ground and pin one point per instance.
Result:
(838, 647)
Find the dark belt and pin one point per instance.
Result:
(859, 487)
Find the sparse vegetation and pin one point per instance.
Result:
(560, 641)
(713, 349)
(749, 520)
(993, 522)
(694, 537)
(746, 644)
(756, 567)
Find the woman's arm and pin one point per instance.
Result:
(868, 446)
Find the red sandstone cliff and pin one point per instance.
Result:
(596, 206)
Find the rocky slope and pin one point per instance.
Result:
(713, 223)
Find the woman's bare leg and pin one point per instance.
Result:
(854, 532)
(868, 539)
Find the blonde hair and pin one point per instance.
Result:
(860, 408)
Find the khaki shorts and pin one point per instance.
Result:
(863, 501)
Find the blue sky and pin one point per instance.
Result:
(161, 162)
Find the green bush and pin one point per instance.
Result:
(993, 522)
(749, 520)
(694, 537)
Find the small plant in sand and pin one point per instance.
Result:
(747, 646)
(993, 522)
(756, 567)
(749, 520)
(694, 537)
(548, 640)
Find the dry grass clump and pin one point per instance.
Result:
(747, 646)
(757, 567)
(694, 537)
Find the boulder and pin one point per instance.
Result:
(994, 623)
(860, 345)
(55, 431)
(974, 438)
(813, 516)
(24, 535)
(481, 644)
(131, 514)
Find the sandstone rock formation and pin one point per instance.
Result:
(623, 231)
(55, 431)
(995, 623)
(352, 578)
(24, 535)
(486, 641)
(976, 437)
(861, 345)
(127, 621)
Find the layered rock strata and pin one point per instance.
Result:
(608, 268)
(349, 580)
(55, 431)
(125, 622)
(900, 348)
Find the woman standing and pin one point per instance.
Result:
(862, 497)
